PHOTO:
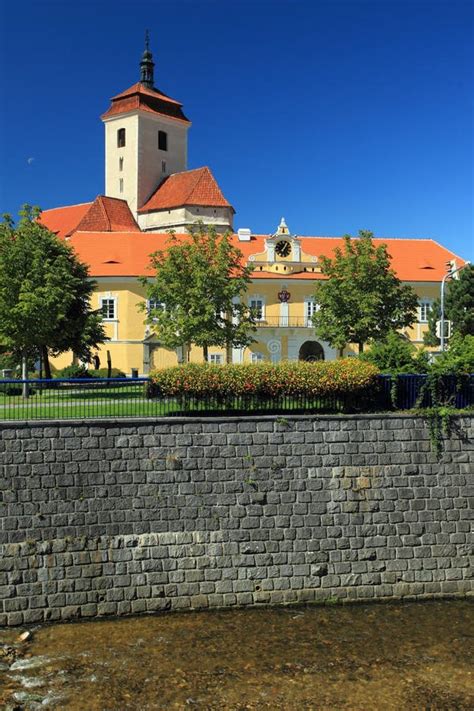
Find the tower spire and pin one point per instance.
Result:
(147, 64)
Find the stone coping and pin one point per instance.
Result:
(150, 421)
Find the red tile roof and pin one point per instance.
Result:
(105, 214)
(63, 220)
(108, 214)
(126, 254)
(191, 187)
(140, 97)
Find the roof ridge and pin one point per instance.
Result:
(65, 207)
(99, 198)
(110, 197)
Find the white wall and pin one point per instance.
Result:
(179, 218)
(129, 154)
(142, 160)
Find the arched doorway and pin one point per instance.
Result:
(311, 350)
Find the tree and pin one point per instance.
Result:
(458, 307)
(200, 282)
(395, 354)
(459, 358)
(44, 293)
(362, 297)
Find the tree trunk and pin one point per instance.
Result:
(341, 352)
(205, 353)
(361, 348)
(46, 363)
(228, 353)
(24, 376)
(109, 365)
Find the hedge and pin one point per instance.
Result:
(264, 380)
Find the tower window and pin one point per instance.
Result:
(121, 185)
(163, 166)
(120, 164)
(162, 140)
(121, 138)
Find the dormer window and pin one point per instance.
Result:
(121, 138)
(162, 141)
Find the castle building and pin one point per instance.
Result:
(150, 190)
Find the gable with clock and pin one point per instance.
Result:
(283, 254)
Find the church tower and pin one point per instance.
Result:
(145, 138)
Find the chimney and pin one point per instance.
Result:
(244, 234)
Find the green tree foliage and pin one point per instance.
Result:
(201, 282)
(458, 307)
(459, 358)
(362, 298)
(44, 293)
(395, 354)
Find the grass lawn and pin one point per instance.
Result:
(129, 401)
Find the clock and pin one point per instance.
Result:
(283, 248)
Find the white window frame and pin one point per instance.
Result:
(257, 357)
(424, 305)
(216, 358)
(154, 304)
(257, 298)
(112, 300)
(310, 308)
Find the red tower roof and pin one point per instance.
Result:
(191, 187)
(142, 98)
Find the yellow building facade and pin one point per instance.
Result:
(149, 190)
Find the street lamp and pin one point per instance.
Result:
(449, 274)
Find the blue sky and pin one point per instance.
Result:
(338, 115)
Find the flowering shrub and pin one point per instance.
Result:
(264, 380)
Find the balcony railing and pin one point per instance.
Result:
(285, 322)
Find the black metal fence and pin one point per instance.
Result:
(62, 399)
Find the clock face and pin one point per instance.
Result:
(283, 248)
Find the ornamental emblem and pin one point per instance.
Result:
(284, 296)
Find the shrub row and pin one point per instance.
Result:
(79, 371)
(265, 380)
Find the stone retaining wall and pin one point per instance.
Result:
(121, 517)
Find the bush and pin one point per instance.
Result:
(11, 389)
(103, 373)
(395, 354)
(264, 380)
(458, 359)
(73, 371)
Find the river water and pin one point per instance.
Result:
(379, 656)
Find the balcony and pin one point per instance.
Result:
(284, 322)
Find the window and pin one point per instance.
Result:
(108, 309)
(257, 357)
(120, 185)
(215, 358)
(256, 304)
(154, 305)
(424, 310)
(310, 308)
(162, 140)
(163, 166)
(120, 164)
(121, 138)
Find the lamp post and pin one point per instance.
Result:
(449, 274)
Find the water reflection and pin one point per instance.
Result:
(387, 656)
